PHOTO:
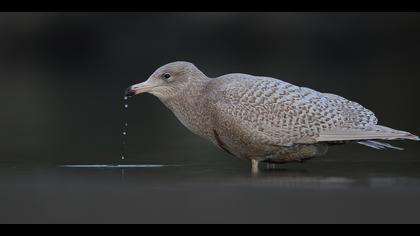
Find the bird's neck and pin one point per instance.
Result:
(188, 106)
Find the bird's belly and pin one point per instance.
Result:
(260, 151)
(297, 153)
(244, 149)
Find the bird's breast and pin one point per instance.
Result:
(194, 115)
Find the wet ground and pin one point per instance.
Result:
(328, 190)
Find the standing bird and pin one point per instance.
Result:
(261, 118)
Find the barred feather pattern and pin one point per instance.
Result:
(275, 112)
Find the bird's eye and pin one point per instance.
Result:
(166, 76)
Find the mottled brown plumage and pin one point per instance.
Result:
(262, 118)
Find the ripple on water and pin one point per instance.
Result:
(110, 166)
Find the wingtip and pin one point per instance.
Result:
(414, 137)
(379, 145)
(409, 136)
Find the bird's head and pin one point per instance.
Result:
(168, 81)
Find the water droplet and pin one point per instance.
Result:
(124, 129)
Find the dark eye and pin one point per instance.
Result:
(166, 76)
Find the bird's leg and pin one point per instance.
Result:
(255, 164)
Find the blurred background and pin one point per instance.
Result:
(63, 74)
(62, 80)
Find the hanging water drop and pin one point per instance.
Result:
(124, 131)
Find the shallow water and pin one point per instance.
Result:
(330, 189)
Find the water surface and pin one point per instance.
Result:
(324, 190)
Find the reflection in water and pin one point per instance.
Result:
(287, 179)
(284, 178)
(277, 177)
(215, 192)
(383, 182)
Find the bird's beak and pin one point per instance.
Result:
(138, 88)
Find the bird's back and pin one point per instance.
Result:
(271, 112)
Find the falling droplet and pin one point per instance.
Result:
(124, 131)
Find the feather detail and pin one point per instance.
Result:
(368, 133)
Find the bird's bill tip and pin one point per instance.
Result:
(137, 89)
(129, 92)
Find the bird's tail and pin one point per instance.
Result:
(368, 136)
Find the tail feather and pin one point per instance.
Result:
(378, 145)
(370, 133)
(368, 136)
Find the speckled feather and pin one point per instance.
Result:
(279, 113)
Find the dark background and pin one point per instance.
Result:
(62, 79)
(63, 74)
